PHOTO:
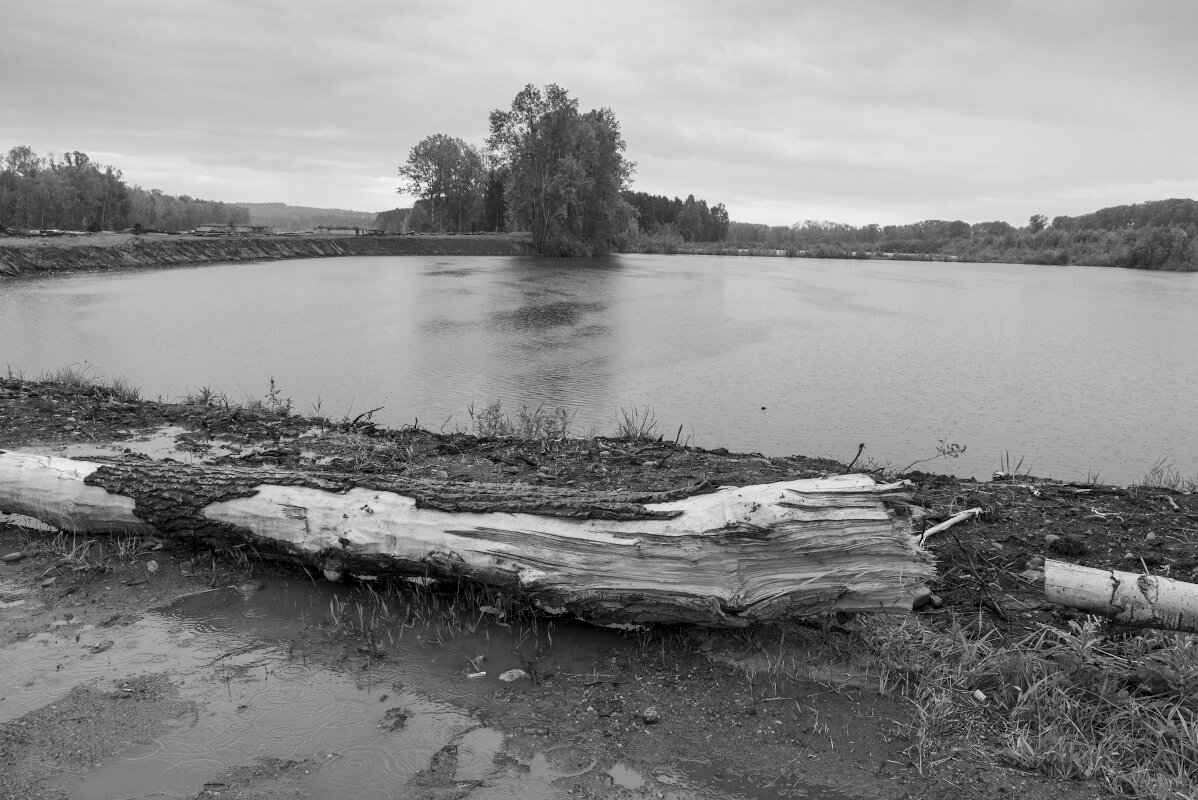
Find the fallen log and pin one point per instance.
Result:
(729, 557)
(1126, 597)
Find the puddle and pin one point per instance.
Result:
(270, 677)
(270, 680)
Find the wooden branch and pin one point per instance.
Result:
(1126, 597)
(729, 557)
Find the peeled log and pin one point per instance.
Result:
(729, 558)
(1127, 597)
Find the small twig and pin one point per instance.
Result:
(860, 450)
(367, 414)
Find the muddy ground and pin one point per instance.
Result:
(708, 704)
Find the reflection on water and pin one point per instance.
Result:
(1074, 369)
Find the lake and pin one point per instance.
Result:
(1075, 370)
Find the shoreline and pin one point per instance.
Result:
(985, 629)
(26, 257)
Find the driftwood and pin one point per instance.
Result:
(727, 557)
(1126, 597)
(968, 513)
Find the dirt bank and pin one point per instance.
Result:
(782, 711)
(105, 252)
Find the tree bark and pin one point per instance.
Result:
(729, 557)
(1126, 597)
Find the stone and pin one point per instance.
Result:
(13, 558)
(512, 675)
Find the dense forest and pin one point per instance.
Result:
(74, 193)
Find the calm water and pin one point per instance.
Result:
(1072, 369)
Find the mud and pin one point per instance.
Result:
(250, 680)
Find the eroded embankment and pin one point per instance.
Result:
(52, 256)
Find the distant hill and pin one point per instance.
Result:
(283, 217)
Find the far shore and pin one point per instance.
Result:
(102, 252)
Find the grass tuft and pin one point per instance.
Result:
(83, 376)
(1164, 475)
(637, 424)
(540, 424)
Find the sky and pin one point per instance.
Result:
(882, 111)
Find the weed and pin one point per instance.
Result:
(637, 424)
(271, 403)
(1164, 475)
(205, 396)
(539, 424)
(1008, 470)
(944, 449)
(83, 376)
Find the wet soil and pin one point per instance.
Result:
(669, 713)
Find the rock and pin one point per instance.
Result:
(13, 558)
(394, 719)
(1051, 539)
(937, 601)
(1151, 537)
(650, 716)
(1035, 562)
(1032, 575)
(101, 647)
(512, 675)
(921, 598)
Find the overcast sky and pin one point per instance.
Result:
(883, 111)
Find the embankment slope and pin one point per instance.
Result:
(105, 252)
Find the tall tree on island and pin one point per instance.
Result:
(566, 172)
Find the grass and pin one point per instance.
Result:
(539, 424)
(83, 376)
(637, 424)
(1076, 703)
(1164, 475)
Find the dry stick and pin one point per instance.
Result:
(948, 523)
(860, 450)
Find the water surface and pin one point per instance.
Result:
(1076, 370)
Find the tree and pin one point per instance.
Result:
(448, 174)
(566, 172)
(1037, 223)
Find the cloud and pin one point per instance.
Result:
(871, 110)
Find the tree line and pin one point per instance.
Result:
(1161, 234)
(552, 170)
(72, 192)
